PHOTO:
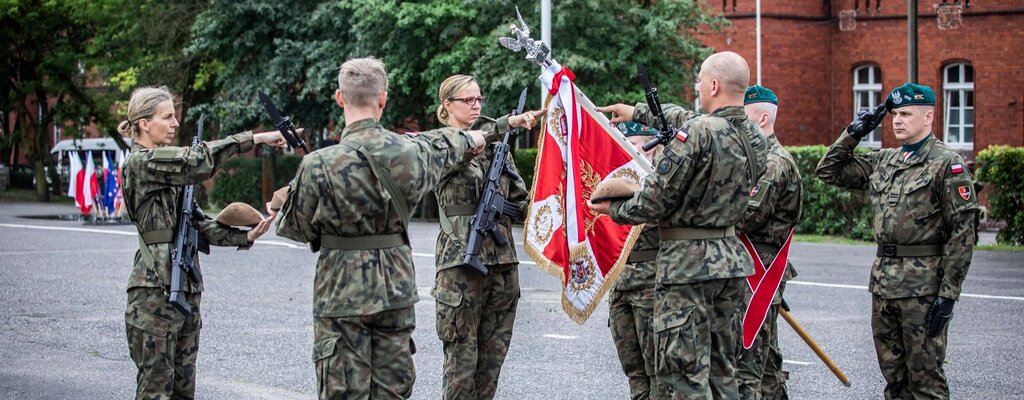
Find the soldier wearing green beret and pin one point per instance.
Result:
(631, 301)
(352, 201)
(924, 206)
(772, 212)
(698, 194)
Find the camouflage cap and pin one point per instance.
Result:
(239, 214)
(760, 94)
(634, 129)
(614, 189)
(910, 94)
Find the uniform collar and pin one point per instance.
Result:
(730, 112)
(920, 154)
(360, 125)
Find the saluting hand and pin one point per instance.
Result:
(526, 120)
(260, 228)
(866, 122)
(479, 142)
(620, 112)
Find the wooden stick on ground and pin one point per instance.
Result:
(814, 346)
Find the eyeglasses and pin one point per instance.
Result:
(471, 101)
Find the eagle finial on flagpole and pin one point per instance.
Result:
(536, 51)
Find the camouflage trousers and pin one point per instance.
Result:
(475, 315)
(697, 338)
(366, 356)
(163, 343)
(759, 371)
(629, 319)
(911, 362)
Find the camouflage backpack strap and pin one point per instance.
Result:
(390, 186)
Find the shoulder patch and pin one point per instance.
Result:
(755, 190)
(956, 169)
(965, 192)
(682, 135)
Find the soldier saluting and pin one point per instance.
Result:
(162, 341)
(351, 201)
(924, 207)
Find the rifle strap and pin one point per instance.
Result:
(748, 149)
(385, 178)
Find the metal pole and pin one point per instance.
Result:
(758, 42)
(912, 41)
(545, 36)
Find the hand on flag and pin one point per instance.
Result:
(620, 112)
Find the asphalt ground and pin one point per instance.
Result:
(62, 299)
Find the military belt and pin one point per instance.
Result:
(695, 233)
(159, 236)
(906, 250)
(460, 209)
(639, 256)
(368, 242)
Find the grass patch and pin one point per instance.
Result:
(29, 195)
(829, 239)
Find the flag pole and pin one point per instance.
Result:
(814, 347)
(758, 41)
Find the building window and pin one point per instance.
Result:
(867, 93)
(958, 97)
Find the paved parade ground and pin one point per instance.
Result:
(62, 299)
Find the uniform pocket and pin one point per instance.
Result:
(148, 339)
(448, 306)
(676, 342)
(326, 377)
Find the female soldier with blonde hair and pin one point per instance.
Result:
(163, 341)
(475, 313)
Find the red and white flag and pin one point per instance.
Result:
(578, 149)
(86, 185)
(74, 165)
(764, 283)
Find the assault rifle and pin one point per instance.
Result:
(667, 131)
(492, 203)
(187, 243)
(283, 124)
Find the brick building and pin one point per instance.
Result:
(823, 74)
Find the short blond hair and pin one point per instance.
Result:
(449, 88)
(361, 80)
(143, 105)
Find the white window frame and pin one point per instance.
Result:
(959, 89)
(872, 86)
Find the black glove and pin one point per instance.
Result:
(866, 122)
(938, 315)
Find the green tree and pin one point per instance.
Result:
(44, 77)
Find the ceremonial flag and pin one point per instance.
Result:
(578, 149)
(110, 185)
(764, 283)
(84, 185)
(74, 165)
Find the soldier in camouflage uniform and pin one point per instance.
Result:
(772, 212)
(925, 216)
(162, 341)
(698, 194)
(351, 201)
(475, 313)
(631, 301)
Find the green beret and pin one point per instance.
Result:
(634, 129)
(909, 94)
(760, 94)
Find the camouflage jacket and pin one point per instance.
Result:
(640, 275)
(153, 179)
(927, 199)
(774, 206)
(336, 193)
(462, 188)
(702, 179)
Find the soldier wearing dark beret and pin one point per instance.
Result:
(772, 212)
(924, 207)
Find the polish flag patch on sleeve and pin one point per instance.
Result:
(682, 135)
(957, 168)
